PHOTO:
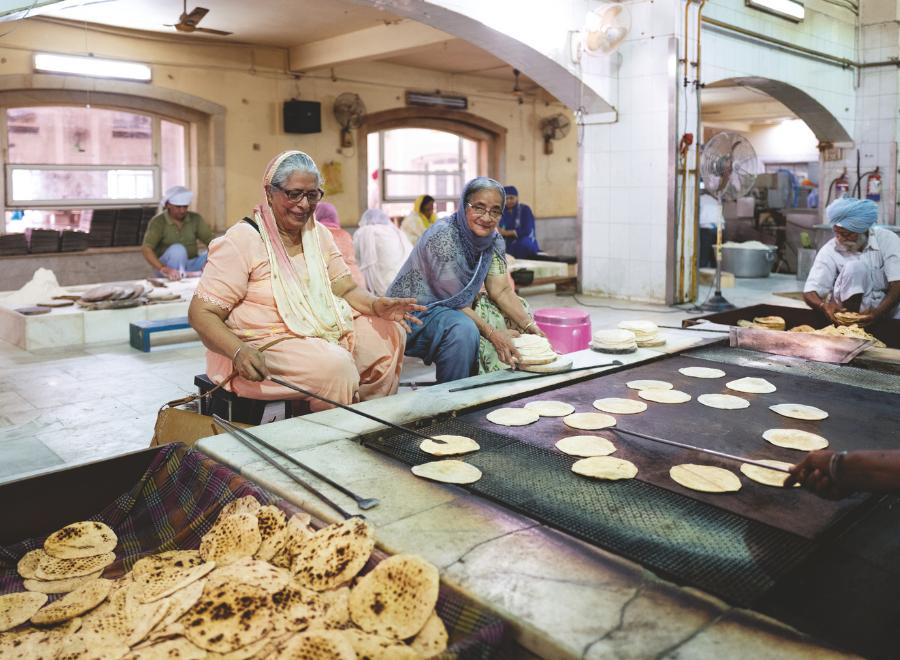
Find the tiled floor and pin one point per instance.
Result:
(75, 405)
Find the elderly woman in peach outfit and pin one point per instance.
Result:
(280, 276)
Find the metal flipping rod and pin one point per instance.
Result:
(712, 452)
(363, 502)
(614, 363)
(405, 429)
(234, 431)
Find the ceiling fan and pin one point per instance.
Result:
(188, 22)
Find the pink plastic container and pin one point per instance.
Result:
(567, 329)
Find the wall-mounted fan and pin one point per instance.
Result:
(188, 22)
(554, 127)
(728, 166)
(604, 29)
(349, 110)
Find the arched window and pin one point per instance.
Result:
(407, 162)
(62, 159)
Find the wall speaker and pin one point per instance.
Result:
(302, 117)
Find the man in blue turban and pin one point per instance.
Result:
(859, 269)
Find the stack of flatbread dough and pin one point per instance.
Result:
(533, 350)
(260, 586)
(770, 322)
(848, 318)
(614, 341)
(110, 296)
(646, 333)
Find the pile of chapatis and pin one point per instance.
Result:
(260, 586)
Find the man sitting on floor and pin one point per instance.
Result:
(859, 269)
(170, 243)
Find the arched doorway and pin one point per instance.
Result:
(488, 139)
(798, 144)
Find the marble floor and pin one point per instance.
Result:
(74, 405)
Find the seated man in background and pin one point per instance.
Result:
(859, 269)
(170, 243)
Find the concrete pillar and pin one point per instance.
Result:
(629, 196)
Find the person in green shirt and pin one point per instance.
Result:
(170, 243)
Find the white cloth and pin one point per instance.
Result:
(380, 252)
(413, 226)
(710, 212)
(870, 271)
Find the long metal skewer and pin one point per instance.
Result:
(712, 452)
(363, 502)
(405, 429)
(530, 376)
(234, 431)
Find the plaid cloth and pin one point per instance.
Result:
(177, 500)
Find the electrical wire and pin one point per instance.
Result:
(19, 21)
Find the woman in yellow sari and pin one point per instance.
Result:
(419, 219)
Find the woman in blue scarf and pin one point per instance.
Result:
(446, 270)
(517, 226)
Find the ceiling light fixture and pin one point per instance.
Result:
(91, 66)
(789, 9)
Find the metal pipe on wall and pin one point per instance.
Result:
(787, 45)
(695, 284)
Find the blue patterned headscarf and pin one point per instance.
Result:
(856, 215)
(449, 263)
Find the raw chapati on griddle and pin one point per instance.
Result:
(705, 478)
(795, 439)
(605, 467)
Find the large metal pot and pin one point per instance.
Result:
(744, 262)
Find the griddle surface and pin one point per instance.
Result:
(736, 546)
(858, 419)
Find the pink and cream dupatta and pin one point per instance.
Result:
(306, 303)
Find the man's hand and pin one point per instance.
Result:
(868, 319)
(830, 309)
(170, 273)
(251, 364)
(502, 341)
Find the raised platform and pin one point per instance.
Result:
(74, 326)
(91, 266)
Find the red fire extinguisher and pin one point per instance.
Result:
(873, 186)
(841, 185)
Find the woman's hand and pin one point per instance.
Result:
(532, 328)
(399, 310)
(502, 341)
(250, 364)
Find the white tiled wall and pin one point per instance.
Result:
(625, 166)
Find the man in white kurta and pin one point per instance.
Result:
(859, 269)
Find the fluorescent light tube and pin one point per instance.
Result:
(789, 9)
(91, 66)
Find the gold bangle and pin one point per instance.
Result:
(490, 332)
(239, 348)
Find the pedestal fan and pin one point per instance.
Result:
(728, 166)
